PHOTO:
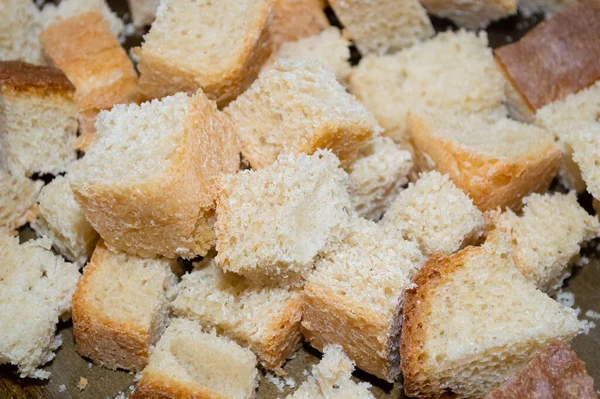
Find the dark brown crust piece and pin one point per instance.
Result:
(22, 77)
(557, 58)
(556, 372)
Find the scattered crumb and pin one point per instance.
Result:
(566, 298)
(278, 382)
(305, 373)
(120, 395)
(131, 388)
(138, 376)
(62, 388)
(592, 315)
(577, 311)
(583, 261)
(89, 365)
(587, 326)
(82, 384)
(290, 382)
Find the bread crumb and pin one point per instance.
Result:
(583, 261)
(62, 388)
(305, 373)
(89, 365)
(82, 384)
(587, 326)
(565, 298)
(132, 388)
(290, 382)
(138, 376)
(278, 382)
(592, 314)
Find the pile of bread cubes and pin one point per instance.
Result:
(394, 215)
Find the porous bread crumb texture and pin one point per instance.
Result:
(548, 236)
(547, 7)
(454, 71)
(497, 161)
(18, 197)
(121, 308)
(61, 219)
(584, 139)
(35, 288)
(296, 19)
(188, 362)
(262, 317)
(471, 14)
(383, 26)
(354, 297)
(436, 214)
(473, 320)
(273, 223)
(66, 9)
(298, 106)
(331, 378)
(143, 12)
(148, 185)
(184, 49)
(21, 26)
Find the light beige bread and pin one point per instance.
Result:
(184, 49)
(35, 288)
(473, 320)
(331, 379)
(75, 8)
(147, 185)
(60, 218)
(143, 12)
(38, 125)
(435, 214)
(471, 14)
(377, 176)
(496, 161)
(548, 236)
(296, 107)
(383, 26)
(354, 297)
(273, 223)
(264, 318)
(454, 71)
(296, 19)
(546, 7)
(584, 138)
(190, 363)
(17, 201)
(21, 25)
(121, 308)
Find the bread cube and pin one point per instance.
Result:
(21, 25)
(382, 26)
(17, 201)
(296, 19)
(143, 12)
(67, 9)
(264, 318)
(377, 176)
(184, 50)
(436, 214)
(472, 320)
(530, 65)
(121, 308)
(147, 185)
(61, 219)
(584, 138)
(471, 14)
(454, 71)
(296, 107)
(496, 161)
(35, 288)
(38, 127)
(190, 363)
(355, 295)
(274, 222)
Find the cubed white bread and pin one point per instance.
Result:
(18, 195)
(143, 12)
(66, 9)
(548, 236)
(273, 223)
(296, 19)
(36, 287)
(147, 185)
(331, 378)
(496, 161)
(60, 218)
(190, 363)
(471, 14)
(121, 308)
(436, 214)
(382, 26)
(377, 176)
(454, 71)
(185, 48)
(584, 138)
(298, 106)
(264, 318)
(37, 124)
(354, 297)
(473, 320)
(19, 32)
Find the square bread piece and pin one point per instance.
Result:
(454, 71)
(18, 197)
(296, 19)
(38, 125)
(143, 12)
(472, 320)
(299, 106)
(471, 14)
(548, 237)
(264, 318)
(147, 185)
(184, 50)
(190, 363)
(355, 295)
(19, 32)
(381, 26)
(435, 214)
(66, 9)
(35, 288)
(530, 65)
(496, 161)
(273, 223)
(121, 308)
(61, 219)
(377, 176)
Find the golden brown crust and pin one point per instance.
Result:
(158, 386)
(284, 337)
(556, 58)
(20, 77)
(296, 19)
